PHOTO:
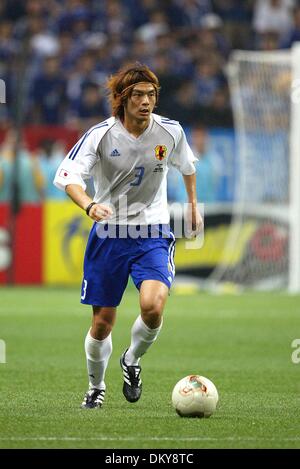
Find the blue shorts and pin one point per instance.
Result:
(110, 260)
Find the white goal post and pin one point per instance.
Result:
(265, 93)
(294, 254)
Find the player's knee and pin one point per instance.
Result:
(151, 312)
(102, 326)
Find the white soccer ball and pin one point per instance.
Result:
(195, 396)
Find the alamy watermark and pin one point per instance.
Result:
(296, 353)
(2, 351)
(2, 92)
(128, 221)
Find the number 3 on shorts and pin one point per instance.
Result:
(138, 175)
(84, 289)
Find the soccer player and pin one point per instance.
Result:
(127, 156)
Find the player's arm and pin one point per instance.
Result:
(75, 169)
(193, 214)
(97, 212)
(183, 159)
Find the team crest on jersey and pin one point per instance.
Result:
(160, 152)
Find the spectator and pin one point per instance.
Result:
(208, 166)
(8, 45)
(30, 177)
(268, 41)
(192, 11)
(211, 37)
(294, 34)
(85, 72)
(49, 155)
(114, 19)
(48, 94)
(68, 51)
(169, 82)
(184, 104)
(44, 43)
(237, 17)
(5, 174)
(218, 113)
(273, 16)
(72, 11)
(140, 11)
(12, 10)
(157, 25)
(140, 51)
(208, 79)
(89, 108)
(27, 171)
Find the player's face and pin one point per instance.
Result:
(141, 102)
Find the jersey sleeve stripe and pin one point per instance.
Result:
(73, 156)
(76, 146)
(80, 143)
(169, 122)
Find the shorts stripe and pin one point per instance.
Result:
(171, 253)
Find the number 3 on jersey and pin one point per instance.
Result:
(139, 173)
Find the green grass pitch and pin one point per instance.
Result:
(242, 343)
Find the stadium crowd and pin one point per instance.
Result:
(70, 47)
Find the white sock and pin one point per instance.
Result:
(97, 356)
(141, 339)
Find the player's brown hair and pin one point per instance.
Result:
(121, 84)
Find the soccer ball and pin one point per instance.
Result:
(195, 396)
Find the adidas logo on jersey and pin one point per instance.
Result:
(115, 153)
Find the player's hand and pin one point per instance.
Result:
(99, 212)
(194, 220)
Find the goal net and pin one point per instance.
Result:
(262, 249)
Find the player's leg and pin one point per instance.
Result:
(145, 330)
(106, 272)
(98, 348)
(98, 344)
(153, 273)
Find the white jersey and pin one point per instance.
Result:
(129, 173)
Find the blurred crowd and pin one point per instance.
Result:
(70, 47)
(34, 172)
